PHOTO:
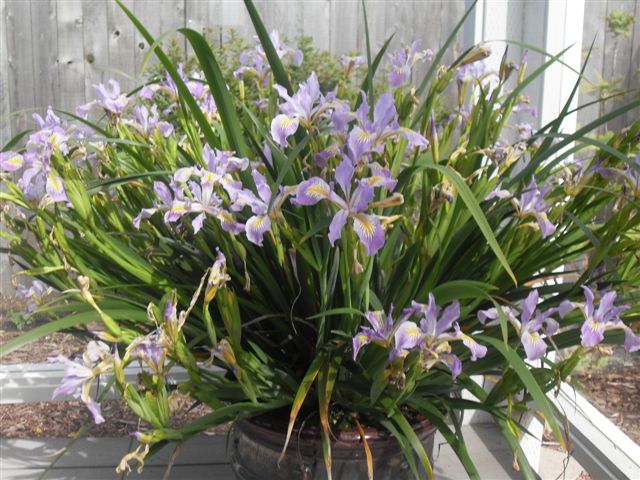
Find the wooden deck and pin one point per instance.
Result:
(204, 457)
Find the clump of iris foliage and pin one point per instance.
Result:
(327, 250)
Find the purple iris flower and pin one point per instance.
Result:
(38, 177)
(255, 60)
(525, 107)
(352, 206)
(471, 72)
(306, 107)
(293, 55)
(403, 60)
(605, 317)
(437, 327)
(150, 349)
(351, 63)
(633, 174)
(171, 201)
(525, 130)
(259, 223)
(204, 199)
(35, 165)
(399, 338)
(35, 294)
(147, 121)
(531, 202)
(533, 323)
(370, 135)
(353, 60)
(11, 161)
(147, 92)
(630, 176)
(381, 331)
(195, 85)
(193, 190)
(80, 374)
(109, 97)
(302, 107)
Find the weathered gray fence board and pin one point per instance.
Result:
(20, 62)
(96, 44)
(70, 54)
(122, 64)
(44, 19)
(316, 23)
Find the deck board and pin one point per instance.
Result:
(95, 458)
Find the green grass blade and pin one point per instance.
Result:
(218, 86)
(529, 381)
(15, 140)
(404, 425)
(301, 395)
(457, 444)
(476, 212)
(326, 381)
(403, 442)
(371, 71)
(116, 182)
(68, 322)
(279, 73)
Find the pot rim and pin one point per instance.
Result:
(276, 431)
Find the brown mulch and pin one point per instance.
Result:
(39, 350)
(615, 390)
(65, 419)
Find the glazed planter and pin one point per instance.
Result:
(256, 445)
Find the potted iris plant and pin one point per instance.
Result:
(333, 268)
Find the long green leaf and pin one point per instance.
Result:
(326, 381)
(476, 212)
(371, 70)
(301, 395)
(279, 73)
(218, 86)
(582, 132)
(457, 444)
(15, 140)
(110, 184)
(529, 381)
(68, 322)
(415, 442)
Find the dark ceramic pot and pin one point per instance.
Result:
(256, 445)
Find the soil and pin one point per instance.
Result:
(65, 419)
(612, 384)
(39, 350)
